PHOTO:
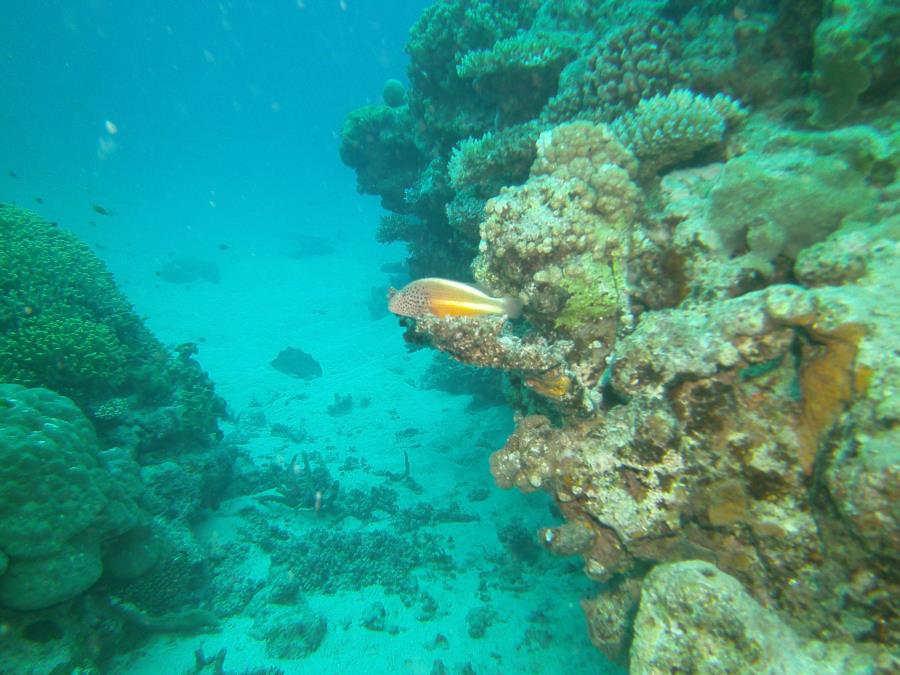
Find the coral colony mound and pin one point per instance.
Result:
(696, 205)
(110, 444)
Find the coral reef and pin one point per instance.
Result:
(484, 75)
(704, 371)
(65, 325)
(113, 446)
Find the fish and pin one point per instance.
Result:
(102, 211)
(12, 174)
(442, 297)
(552, 384)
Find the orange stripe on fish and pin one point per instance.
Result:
(442, 297)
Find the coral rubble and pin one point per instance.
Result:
(703, 246)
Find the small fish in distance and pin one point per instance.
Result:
(442, 297)
(102, 211)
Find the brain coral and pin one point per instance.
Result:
(59, 499)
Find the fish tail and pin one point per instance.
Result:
(512, 307)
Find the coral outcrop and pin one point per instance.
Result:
(695, 618)
(706, 366)
(65, 325)
(560, 241)
(856, 52)
(62, 500)
(109, 444)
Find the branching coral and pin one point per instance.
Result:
(75, 356)
(634, 61)
(519, 73)
(65, 325)
(665, 130)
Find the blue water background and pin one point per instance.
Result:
(228, 113)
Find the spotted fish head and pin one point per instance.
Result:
(412, 301)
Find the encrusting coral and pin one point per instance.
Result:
(695, 598)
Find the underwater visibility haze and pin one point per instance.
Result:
(455, 337)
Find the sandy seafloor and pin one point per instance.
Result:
(267, 300)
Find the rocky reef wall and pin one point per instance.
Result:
(704, 243)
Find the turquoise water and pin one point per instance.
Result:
(221, 453)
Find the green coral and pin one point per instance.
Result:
(74, 356)
(856, 50)
(65, 325)
(377, 141)
(663, 131)
(60, 498)
(63, 322)
(394, 94)
(522, 53)
(518, 74)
